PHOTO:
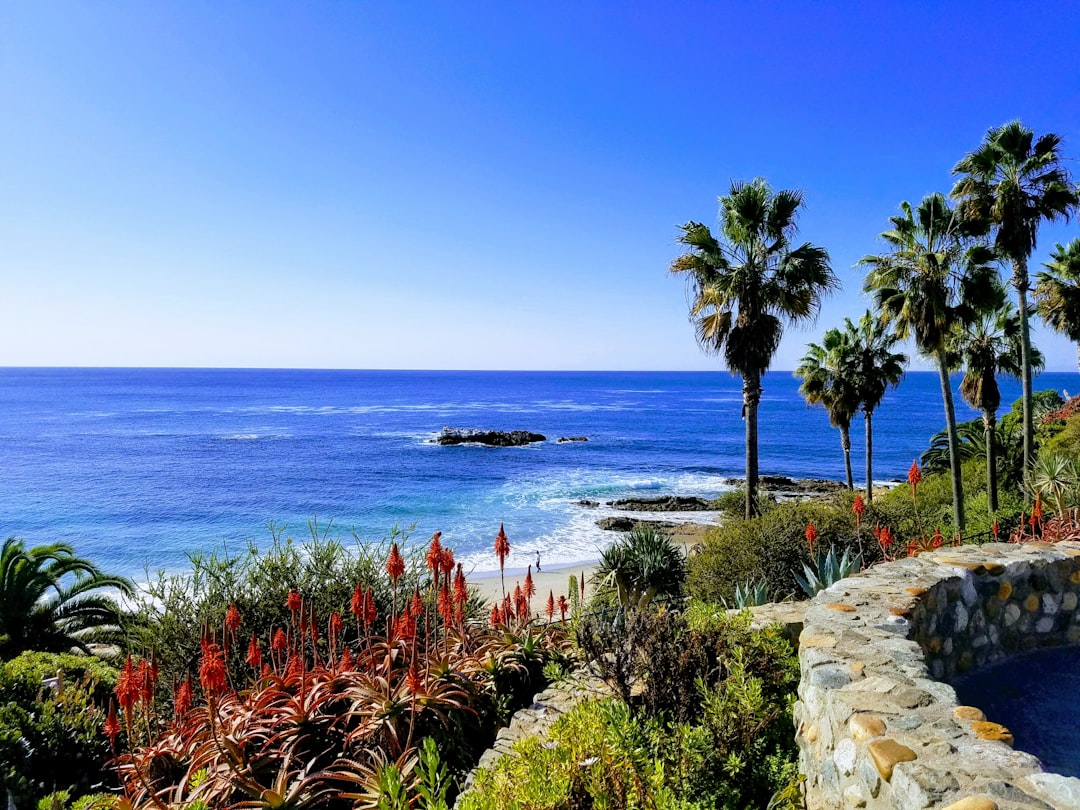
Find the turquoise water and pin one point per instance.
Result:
(137, 466)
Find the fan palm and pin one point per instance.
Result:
(1057, 292)
(878, 368)
(987, 346)
(933, 277)
(52, 601)
(829, 378)
(1009, 186)
(745, 285)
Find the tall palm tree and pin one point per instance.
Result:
(878, 368)
(746, 284)
(933, 277)
(1057, 292)
(1010, 185)
(987, 346)
(829, 378)
(51, 600)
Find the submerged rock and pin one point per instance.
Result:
(627, 524)
(564, 439)
(490, 438)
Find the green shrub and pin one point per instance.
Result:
(22, 676)
(772, 547)
(733, 502)
(711, 727)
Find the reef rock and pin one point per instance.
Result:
(490, 438)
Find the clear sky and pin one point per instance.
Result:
(467, 185)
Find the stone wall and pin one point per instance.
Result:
(875, 726)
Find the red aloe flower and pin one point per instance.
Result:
(314, 628)
(346, 661)
(563, 607)
(293, 602)
(995, 529)
(461, 590)
(405, 626)
(914, 476)
(551, 605)
(412, 679)
(146, 682)
(254, 653)
(885, 537)
(371, 613)
(232, 618)
(459, 615)
(446, 560)
(433, 554)
(417, 607)
(111, 728)
(356, 604)
(937, 541)
(335, 626)
(530, 589)
(184, 697)
(395, 565)
(212, 669)
(502, 546)
(495, 616)
(280, 642)
(859, 508)
(446, 605)
(1036, 510)
(127, 687)
(811, 536)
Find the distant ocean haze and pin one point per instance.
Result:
(136, 467)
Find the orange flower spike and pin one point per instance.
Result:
(530, 589)
(551, 605)
(314, 627)
(371, 612)
(446, 604)
(280, 641)
(563, 607)
(293, 602)
(434, 554)
(146, 682)
(335, 626)
(412, 679)
(495, 616)
(502, 546)
(417, 606)
(395, 565)
(356, 604)
(811, 535)
(446, 560)
(347, 662)
(937, 541)
(232, 618)
(127, 687)
(254, 654)
(859, 508)
(995, 529)
(461, 590)
(914, 476)
(1036, 510)
(212, 670)
(111, 729)
(184, 698)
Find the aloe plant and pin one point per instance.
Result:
(828, 570)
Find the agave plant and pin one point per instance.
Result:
(828, 570)
(750, 594)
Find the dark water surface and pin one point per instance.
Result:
(1035, 696)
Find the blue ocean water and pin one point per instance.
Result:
(135, 467)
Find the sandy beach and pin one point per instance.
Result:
(555, 580)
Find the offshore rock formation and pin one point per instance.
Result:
(490, 438)
(668, 503)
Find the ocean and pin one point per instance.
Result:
(137, 467)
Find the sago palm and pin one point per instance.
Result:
(933, 277)
(987, 346)
(879, 368)
(1009, 186)
(1057, 292)
(748, 282)
(53, 601)
(829, 374)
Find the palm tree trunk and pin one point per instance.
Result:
(954, 443)
(989, 420)
(845, 445)
(869, 456)
(751, 398)
(1020, 281)
(1078, 355)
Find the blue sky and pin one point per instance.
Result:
(467, 185)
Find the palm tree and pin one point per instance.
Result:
(746, 284)
(1009, 186)
(878, 368)
(1057, 292)
(987, 346)
(828, 373)
(933, 277)
(51, 600)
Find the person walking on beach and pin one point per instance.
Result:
(538, 562)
